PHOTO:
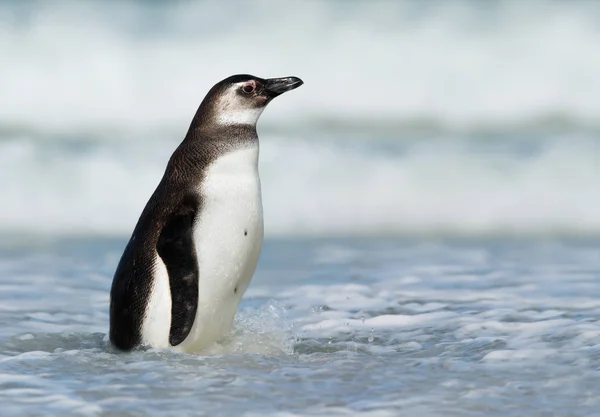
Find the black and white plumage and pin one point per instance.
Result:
(195, 247)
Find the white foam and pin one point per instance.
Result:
(431, 189)
(267, 331)
(519, 355)
(318, 187)
(384, 321)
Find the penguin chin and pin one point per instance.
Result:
(241, 116)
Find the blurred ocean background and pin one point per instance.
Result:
(461, 118)
(431, 199)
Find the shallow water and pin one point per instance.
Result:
(372, 327)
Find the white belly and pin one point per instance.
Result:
(228, 236)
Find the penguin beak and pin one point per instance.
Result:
(276, 86)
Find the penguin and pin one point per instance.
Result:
(195, 247)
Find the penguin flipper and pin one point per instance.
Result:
(176, 248)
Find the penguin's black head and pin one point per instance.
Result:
(240, 99)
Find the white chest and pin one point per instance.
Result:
(228, 236)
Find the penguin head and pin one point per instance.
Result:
(240, 99)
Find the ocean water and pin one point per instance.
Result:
(377, 327)
(431, 201)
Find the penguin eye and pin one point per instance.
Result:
(248, 88)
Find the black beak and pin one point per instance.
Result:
(277, 86)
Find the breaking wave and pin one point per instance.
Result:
(133, 65)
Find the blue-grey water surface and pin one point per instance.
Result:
(378, 327)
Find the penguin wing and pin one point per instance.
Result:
(176, 248)
(131, 287)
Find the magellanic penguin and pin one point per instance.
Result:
(196, 244)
